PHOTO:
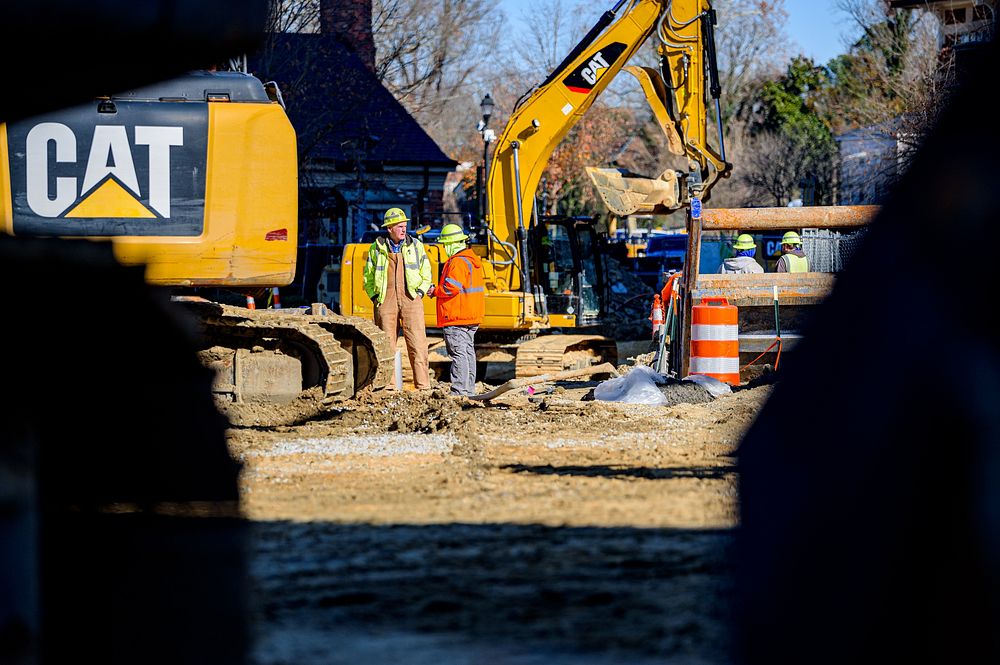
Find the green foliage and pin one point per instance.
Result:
(791, 129)
(793, 104)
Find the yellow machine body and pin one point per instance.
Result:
(196, 180)
(201, 186)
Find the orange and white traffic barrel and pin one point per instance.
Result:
(275, 298)
(715, 342)
(250, 303)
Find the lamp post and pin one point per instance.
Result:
(486, 106)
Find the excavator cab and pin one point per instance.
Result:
(568, 270)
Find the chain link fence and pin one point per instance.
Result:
(826, 249)
(830, 251)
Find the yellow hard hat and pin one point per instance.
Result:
(791, 238)
(744, 241)
(394, 216)
(452, 233)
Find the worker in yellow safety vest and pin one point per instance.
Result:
(793, 259)
(397, 276)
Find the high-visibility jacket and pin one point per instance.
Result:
(461, 297)
(793, 262)
(416, 268)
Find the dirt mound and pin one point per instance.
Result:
(406, 411)
(629, 304)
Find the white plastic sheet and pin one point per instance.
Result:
(636, 387)
(714, 387)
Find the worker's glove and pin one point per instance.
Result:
(431, 291)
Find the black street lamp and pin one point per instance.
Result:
(486, 106)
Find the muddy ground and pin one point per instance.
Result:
(416, 528)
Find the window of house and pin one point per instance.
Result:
(953, 16)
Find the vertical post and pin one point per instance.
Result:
(480, 190)
(486, 106)
(398, 378)
(691, 263)
(486, 173)
(522, 233)
(488, 136)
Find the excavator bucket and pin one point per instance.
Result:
(626, 194)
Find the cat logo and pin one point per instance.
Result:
(138, 171)
(110, 186)
(585, 77)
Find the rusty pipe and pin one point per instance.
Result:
(765, 219)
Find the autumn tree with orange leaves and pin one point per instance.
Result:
(594, 140)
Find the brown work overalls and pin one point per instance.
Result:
(399, 306)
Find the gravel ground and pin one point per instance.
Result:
(413, 528)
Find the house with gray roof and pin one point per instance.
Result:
(360, 151)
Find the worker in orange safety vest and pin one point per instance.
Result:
(461, 304)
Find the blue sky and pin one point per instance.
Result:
(815, 26)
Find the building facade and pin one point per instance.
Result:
(360, 151)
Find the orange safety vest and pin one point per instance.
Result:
(461, 297)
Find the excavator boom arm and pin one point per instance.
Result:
(676, 94)
(541, 122)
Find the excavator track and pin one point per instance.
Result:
(374, 368)
(547, 354)
(278, 367)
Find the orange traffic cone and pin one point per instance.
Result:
(657, 315)
(275, 300)
(250, 303)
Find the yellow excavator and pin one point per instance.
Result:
(196, 180)
(544, 274)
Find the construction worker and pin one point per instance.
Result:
(397, 276)
(461, 304)
(742, 261)
(793, 259)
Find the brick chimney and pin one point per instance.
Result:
(351, 21)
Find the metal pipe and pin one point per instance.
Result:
(516, 146)
(765, 219)
(540, 304)
(777, 320)
(718, 122)
(522, 234)
(709, 20)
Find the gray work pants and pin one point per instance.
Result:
(459, 341)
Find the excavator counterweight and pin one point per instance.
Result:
(195, 179)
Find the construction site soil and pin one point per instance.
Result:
(408, 527)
